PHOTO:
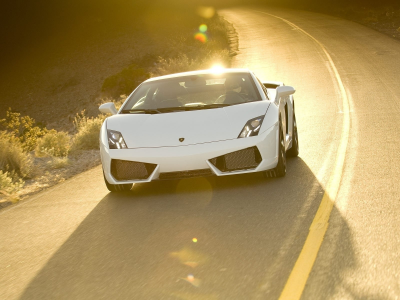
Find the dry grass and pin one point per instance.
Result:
(13, 159)
(23, 128)
(183, 63)
(88, 129)
(59, 162)
(54, 143)
(8, 185)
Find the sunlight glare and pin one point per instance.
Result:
(217, 68)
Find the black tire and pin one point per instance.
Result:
(294, 150)
(280, 169)
(117, 188)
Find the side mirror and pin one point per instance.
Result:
(108, 108)
(284, 91)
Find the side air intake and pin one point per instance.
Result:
(245, 159)
(131, 170)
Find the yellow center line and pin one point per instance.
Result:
(298, 277)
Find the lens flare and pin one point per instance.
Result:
(188, 255)
(203, 28)
(201, 37)
(206, 12)
(191, 279)
(194, 240)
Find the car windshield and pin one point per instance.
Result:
(206, 91)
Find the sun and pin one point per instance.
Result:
(217, 68)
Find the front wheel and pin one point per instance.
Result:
(117, 188)
(294, 150)
(280, 169)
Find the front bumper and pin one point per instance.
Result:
(193, 159)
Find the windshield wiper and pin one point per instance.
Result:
(194, 107)
(177, 108)
(145, 111)
(214, 105)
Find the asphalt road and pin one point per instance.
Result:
(239, 237)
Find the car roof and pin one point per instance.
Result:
(200, 72)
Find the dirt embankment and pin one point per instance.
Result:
(55, 79)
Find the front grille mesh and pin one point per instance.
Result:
(186, 174)
(248, 158)
(130, 170)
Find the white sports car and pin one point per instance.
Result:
(198, 123)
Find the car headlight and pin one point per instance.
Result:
(252, 127)
(115, 140)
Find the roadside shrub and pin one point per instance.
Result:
(25, 129)
(59, 162)
(8, 185)
(118, 103)
(53, 144)
(197, 54)
(183, 63)
(13, 159)
(88, 131)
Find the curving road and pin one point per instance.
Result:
(240, 237)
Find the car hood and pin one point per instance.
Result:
(195, 127)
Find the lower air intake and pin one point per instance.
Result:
(248, 158)
(130, 170)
